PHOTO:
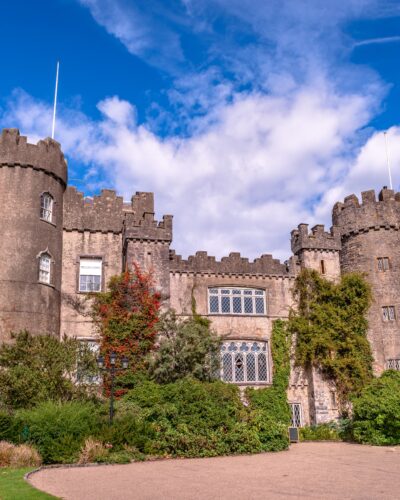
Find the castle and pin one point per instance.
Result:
(57, 245)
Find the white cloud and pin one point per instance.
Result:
(265, 164)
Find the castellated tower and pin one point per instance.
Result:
(32, 183)
(371, 245)
(317, 249)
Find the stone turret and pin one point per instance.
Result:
(32, 184)
(317, 249)
(371, 245)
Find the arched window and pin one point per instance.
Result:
(46, 207)
(244, 362)
(45, 268)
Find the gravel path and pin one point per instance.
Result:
(307, 471)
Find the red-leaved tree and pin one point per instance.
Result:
(127, 316)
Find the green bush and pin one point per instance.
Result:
(321, 432)
(376, 413)
(58, 430)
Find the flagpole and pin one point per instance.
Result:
(55, 102)
(387, 160)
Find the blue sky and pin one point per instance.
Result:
(245, 117)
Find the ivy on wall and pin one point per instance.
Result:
(272, 404)
(330, 328)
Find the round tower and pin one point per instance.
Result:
(32, 184)
(371, 245)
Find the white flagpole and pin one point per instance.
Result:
(387, 160)
(55, 102)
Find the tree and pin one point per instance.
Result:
(127, 316)
(38, 368)
(330, 326)
(186, 348)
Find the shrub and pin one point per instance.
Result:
(93, 451)
(186, 348)
(18, 456)
(376, 413)
(34, 369)
(321, 432)
(59, 430)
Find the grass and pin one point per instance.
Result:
(14, 487)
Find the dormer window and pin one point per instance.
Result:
(46, 207)
(45, 268)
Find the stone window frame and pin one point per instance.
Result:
(104, 264)
(91, 380)
(296, 409)
(383, 264)
(51, 267)
(52, 219)
(389, 313)
(239, 289)
(225, 351)
(393, 364)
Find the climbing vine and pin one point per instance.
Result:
(330, 327)
(127, 316)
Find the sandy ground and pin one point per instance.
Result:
(308, 470)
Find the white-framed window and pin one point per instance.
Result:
(388, 313)
(90, 271)
(244, 362)
(46, 207)
(393, 364)
(227, 300)
(297, 417)
(383, 264)
(45, 268)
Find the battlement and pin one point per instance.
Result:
(46, 155)
(371, 213)
(201, 262)
(317, 239)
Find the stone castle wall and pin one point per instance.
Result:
(26, 172)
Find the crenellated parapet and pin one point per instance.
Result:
(316, 239)
(101, 213)
(44, 156)
(353, 216)
(201, 262)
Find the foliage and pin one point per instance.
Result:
(14, 487)
(22, 455)
(331, 329)
(58, 430)
(34, 369)
(321, 432)
(273, 411)
(127, 316)
(376, 413)
(186, 348)
(93, 451)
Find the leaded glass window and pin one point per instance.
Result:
(244, 362)
(393, 364)
(296, 414)
(247, 301)
(46, 207)
(383, 263)
(388, 313)
(45, 268)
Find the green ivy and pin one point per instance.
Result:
(330, 326)
(271, 403)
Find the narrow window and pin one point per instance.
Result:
(333, 399)
(383, 263)
(322, 267)
(46, 207)
(388, 313)
(45, 268)
(296, 414)
(90, 275)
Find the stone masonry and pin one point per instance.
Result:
(117, 233)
